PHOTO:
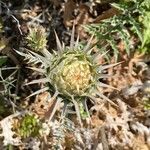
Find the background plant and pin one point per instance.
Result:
(36, 39)
(123, 26)
(28, 126)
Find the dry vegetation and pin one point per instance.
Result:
(34, 117)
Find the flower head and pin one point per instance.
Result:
(73, 72)
(36, 38)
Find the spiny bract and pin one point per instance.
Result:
(73, 72)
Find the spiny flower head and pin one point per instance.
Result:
(73, 72)
(36, 38)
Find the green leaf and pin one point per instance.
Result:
(135, 26)
(113, 44)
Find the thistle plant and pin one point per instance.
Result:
(72, 73)
(36, 38)
(28, 126)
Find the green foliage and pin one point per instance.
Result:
(146, 34)
(145, 20)
(145, 5)
(29, 126)
(122, 26)
(83, 113)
